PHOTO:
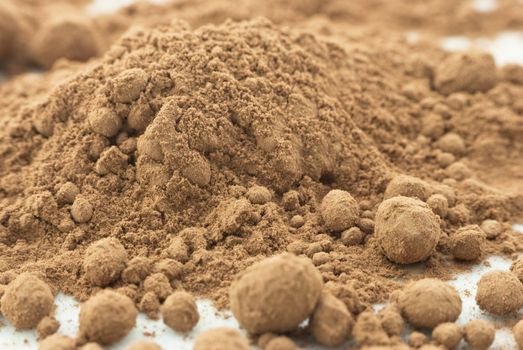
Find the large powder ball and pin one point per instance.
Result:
(468, 71)
(104, 261)
(107, 317)
(479, 334)
(467, 243)
(339, 210)
(276, 294)
(429, 302)
(500, 293)
(518, 334)
(179, 311)
(331, 323)
(70, 38)
(407, 186)
(221, 339)
(57, 342)
(26, 301)
(407, 229)
(448, 334)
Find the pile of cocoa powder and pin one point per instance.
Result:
(194, 147)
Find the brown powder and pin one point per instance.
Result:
(499, 292)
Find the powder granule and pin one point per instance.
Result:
(179, 311)
(407, 186)
(276, 294)
(107, 317)
(448, 334)
(368, 330)
(407, 229)
(499, 292)
(47, 326)
(479, 334)
(81, 210)
(517, 331)
(159, 284)
(339, 210)
(104, 261)
(150, 305)
(221, 339)
(417, 339)
(330, 323)
(26, 301)
(137, 270)
(492, 228)
(429, 302)
(467, 243)
(127, 86)
(258, 194)
(57, 342)
(451, 143)
(391, 320)
(143, 345)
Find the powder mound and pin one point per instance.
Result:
(339, 210)
(276, 294)
(429, 302)
(221, 339)
(447, 334)
(517, 331)
(469, 71)
(143, 345)
(104, 261)
(26, 301)
(107, 317)
(479, 334)
(57, 342)
(467, 243)
(499, 292)
(407, 229)
(179, 311)
(330, 323)
(407, 186)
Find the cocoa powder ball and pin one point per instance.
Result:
(179, 311)
(221, 339)
(258, 194)
(107, 317)
(339, 210)
(500, 293)
(479, 334)
(276, 294)
(451, 143)
(104, 261)
(448, 334)
(71, 38)
(391, 320)
(57, 342)
(407, 186)
(81, 210)
(106, 122)
(467, 243)
(331, 323)
(46, 327)
(281, 343)
(143, 345)
(407, 229)
(492, 228)
(517, 331)
(26, 301)
(429, 302)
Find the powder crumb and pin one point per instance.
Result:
(339, 210)
(297, 221)
(368, 330)
(439, 205)
(105, 121)
(143, 345)
(137, 270)
(47, 326)
(352, 236)
(107, 317)
(221, 339)
(492, 228)
(467, 243)
(330, 323)
(81, 210)
(104, 261)
(451, 143)
(26, 301)
(391, 320)
(276, 294)
(517, 331)
(158, 284)
(499, 292)
(479, 334)
(258, 195)
(57, 342)
(179, 311)
(67, 193)
(347, 294)
(150, 305)
(127, 86)
(429, 302)
(407, 186)
(447, 334)
(417, 339)
(281, 343)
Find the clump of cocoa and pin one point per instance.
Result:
(281, 343)
(407, 186)
(179, 311)
(47, 326)
(479, 334)
(467, 243)
(276, 294)
(57, 342)
(368, 330)
(417, 339)
(391, 320)
(339, 210)
(104, 261)
(499, 292)
(221, 339)
(143, 345)
(448, 334)
(330, 323)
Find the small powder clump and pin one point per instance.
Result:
(221, 339)
(448, 334)
(417, 339)
(179, 311)
(368, 330)
(451, 143)
(391, 320)
(281, 343)
(439, 205)
(339, 210)
(429, 302)
(276, 294)
(479, 334)
(107, 317)
(127, 86)
(81, 210)
(105, 121)
(258, 195)
(517, 330)
(143, 345)
(47, 326)
(26, 301)
(500, 293)
(492, 228)
(67, 193)
(330, 323)
(104, 261)
(407, 229)
(407, 186)
(159, 284)
(57, 342)
(467, 243)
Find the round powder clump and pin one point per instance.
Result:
(518, 334)
(467, 243)
(339, 210)
(106, 122)
(91, 346)
(26, 301)
(159, 284)
(67, 193)
(47, 326)
(429, 302)
(281, 343)
(331, 323)
(70, 38)
(407, 186)
(104, 261)
(107, 317)
(258, 195)
(479, 334)
(391, 320)
(407, 229)
(127, 86)
(221, 339)
(492, 228)
(57, 342)
(81, 210)
(447, 334)
(276, 294)
(439, 205)
(500, 293)
(143, 345)
(451, 143)
(179, 311)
